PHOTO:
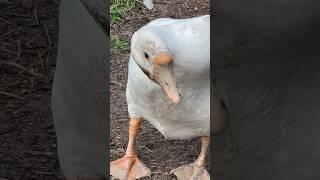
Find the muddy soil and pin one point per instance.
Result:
(28, 47)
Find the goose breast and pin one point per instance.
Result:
(188, 42)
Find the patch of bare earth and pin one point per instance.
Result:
(28, 45)
(159, 154)
(28, 49)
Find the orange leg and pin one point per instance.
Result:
(196, 170)
(200, 162)
(130, 167)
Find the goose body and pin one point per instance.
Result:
(188, 43)
(169, 86)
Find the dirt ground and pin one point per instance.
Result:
(159, 154)
(28, 46)
(28, 49)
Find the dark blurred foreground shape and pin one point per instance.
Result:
(268, 63)
(79, 97)
(100, 11)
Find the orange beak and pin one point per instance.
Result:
(163, 74)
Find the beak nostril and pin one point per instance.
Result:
(166, 83)
(179, 94)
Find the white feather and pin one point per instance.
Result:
(148, 3)
(189, 42)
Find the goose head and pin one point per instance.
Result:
(152, 55)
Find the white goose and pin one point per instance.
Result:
(169, 86)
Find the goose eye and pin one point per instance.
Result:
(146, 55)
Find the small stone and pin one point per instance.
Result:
(28, 4)
(117, 152)
(149, 4)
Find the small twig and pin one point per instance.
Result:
(41, 59)
(147, 148)
(15, 83)
(11, 95)
(35, 153)
(31, 40)
(30, 71)
(11, 31)
(19, 49)
(113, 91)
(18, 15)
(42, 172)
(31, 87)
(6, 21)
(8, 51)
(161, 173)
(19, 155)
(119, 25)
(35, 12)
(117, 83)
(49, 43)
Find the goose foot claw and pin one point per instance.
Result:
(191, 172)
(128, 168)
